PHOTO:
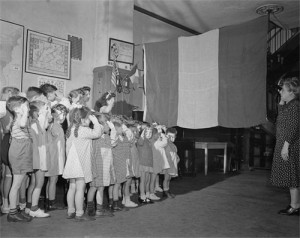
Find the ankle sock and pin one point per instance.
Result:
(22, 200)
(13, 211)
(90, 205)
(34, 208)
(28, 205)
(22, 206)
(71, 210)
(52, 202)
(99, 206)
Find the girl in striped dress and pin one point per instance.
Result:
(78, 166)
(102, 167)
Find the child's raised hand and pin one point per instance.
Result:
(59, 95)
(143, 134)
(110, 124)
(93, 119)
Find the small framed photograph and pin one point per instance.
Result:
(121, 51)
(48, 55)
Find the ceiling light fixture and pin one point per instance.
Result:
(269, 9)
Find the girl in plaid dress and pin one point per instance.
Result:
(121, 153)
(102, 167)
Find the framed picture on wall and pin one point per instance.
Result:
(122, 51)
(11, 54)
(47, 55)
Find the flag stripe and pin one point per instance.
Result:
(162, 82)
(198, 80)
(242, 74)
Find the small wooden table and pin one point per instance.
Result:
(212, 145)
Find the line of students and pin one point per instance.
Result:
(95, 149)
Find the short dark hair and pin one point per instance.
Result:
(48, 88)
(171, 130)
(15, 101)
(86, 88)
(14, 91)
(34, 91)
(59, 107)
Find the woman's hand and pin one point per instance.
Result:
(285, 151)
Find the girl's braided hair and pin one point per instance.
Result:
(75, 119)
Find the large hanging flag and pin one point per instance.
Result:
(214, 79)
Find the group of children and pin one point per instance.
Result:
(44, 134)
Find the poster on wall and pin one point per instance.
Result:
(47, 55)
(11, 54)
(60, 84)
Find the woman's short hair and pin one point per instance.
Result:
(291, 81)
(103, 100)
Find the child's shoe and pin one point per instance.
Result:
(71, 215)
(142, 201)
(149, 201)
(84, 217)
(154, 197)
(167, 194)
(130, 203)
(103, 213)
(116, 207)
(27, 210)
(39, 213)
(27, 216)
(4, 209)
(158, 189)
(17, 217)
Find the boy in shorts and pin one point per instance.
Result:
(20, 154)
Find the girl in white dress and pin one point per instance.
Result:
(78, 165)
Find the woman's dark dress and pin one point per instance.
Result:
(286, 173)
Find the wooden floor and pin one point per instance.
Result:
(216, 205)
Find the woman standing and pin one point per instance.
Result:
(285, 167)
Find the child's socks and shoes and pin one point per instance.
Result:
(103, 212)
(37, 212)
(18, 216)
